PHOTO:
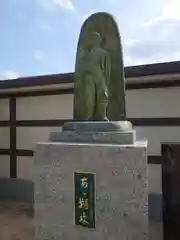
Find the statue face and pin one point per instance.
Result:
(95, 40)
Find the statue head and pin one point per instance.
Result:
(95, 39)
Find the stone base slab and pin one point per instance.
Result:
(98, 126)
(126, 137)
(121, 191)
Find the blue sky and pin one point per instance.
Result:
(40, 36)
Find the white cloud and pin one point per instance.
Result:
(65, 4)
(130, 61)
(170, 10)
(127, 60)
(128, 42)
(150, 33)
(9, 74)
(53, 4)
(158, 39)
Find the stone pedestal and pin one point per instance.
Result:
(120, 193)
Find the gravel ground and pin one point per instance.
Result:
(16, 221)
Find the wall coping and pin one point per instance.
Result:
(166, 73)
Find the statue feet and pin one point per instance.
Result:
(106, 119)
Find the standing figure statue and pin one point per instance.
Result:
(99, 88)
(94, 72)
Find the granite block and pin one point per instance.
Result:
(121, 201)
(125, 137)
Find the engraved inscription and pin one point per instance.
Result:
(84, 195)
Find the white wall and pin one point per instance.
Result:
(25, 168)
(4, 166)
(4, 109)
(4, 138)
(44, 107)
(160, 102)
(28, 136)
(157, 135)
(140, 103)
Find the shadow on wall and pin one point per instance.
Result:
(23, 191)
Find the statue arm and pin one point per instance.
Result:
(107, 68)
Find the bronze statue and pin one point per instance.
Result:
(94, 72)
(99, 72)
